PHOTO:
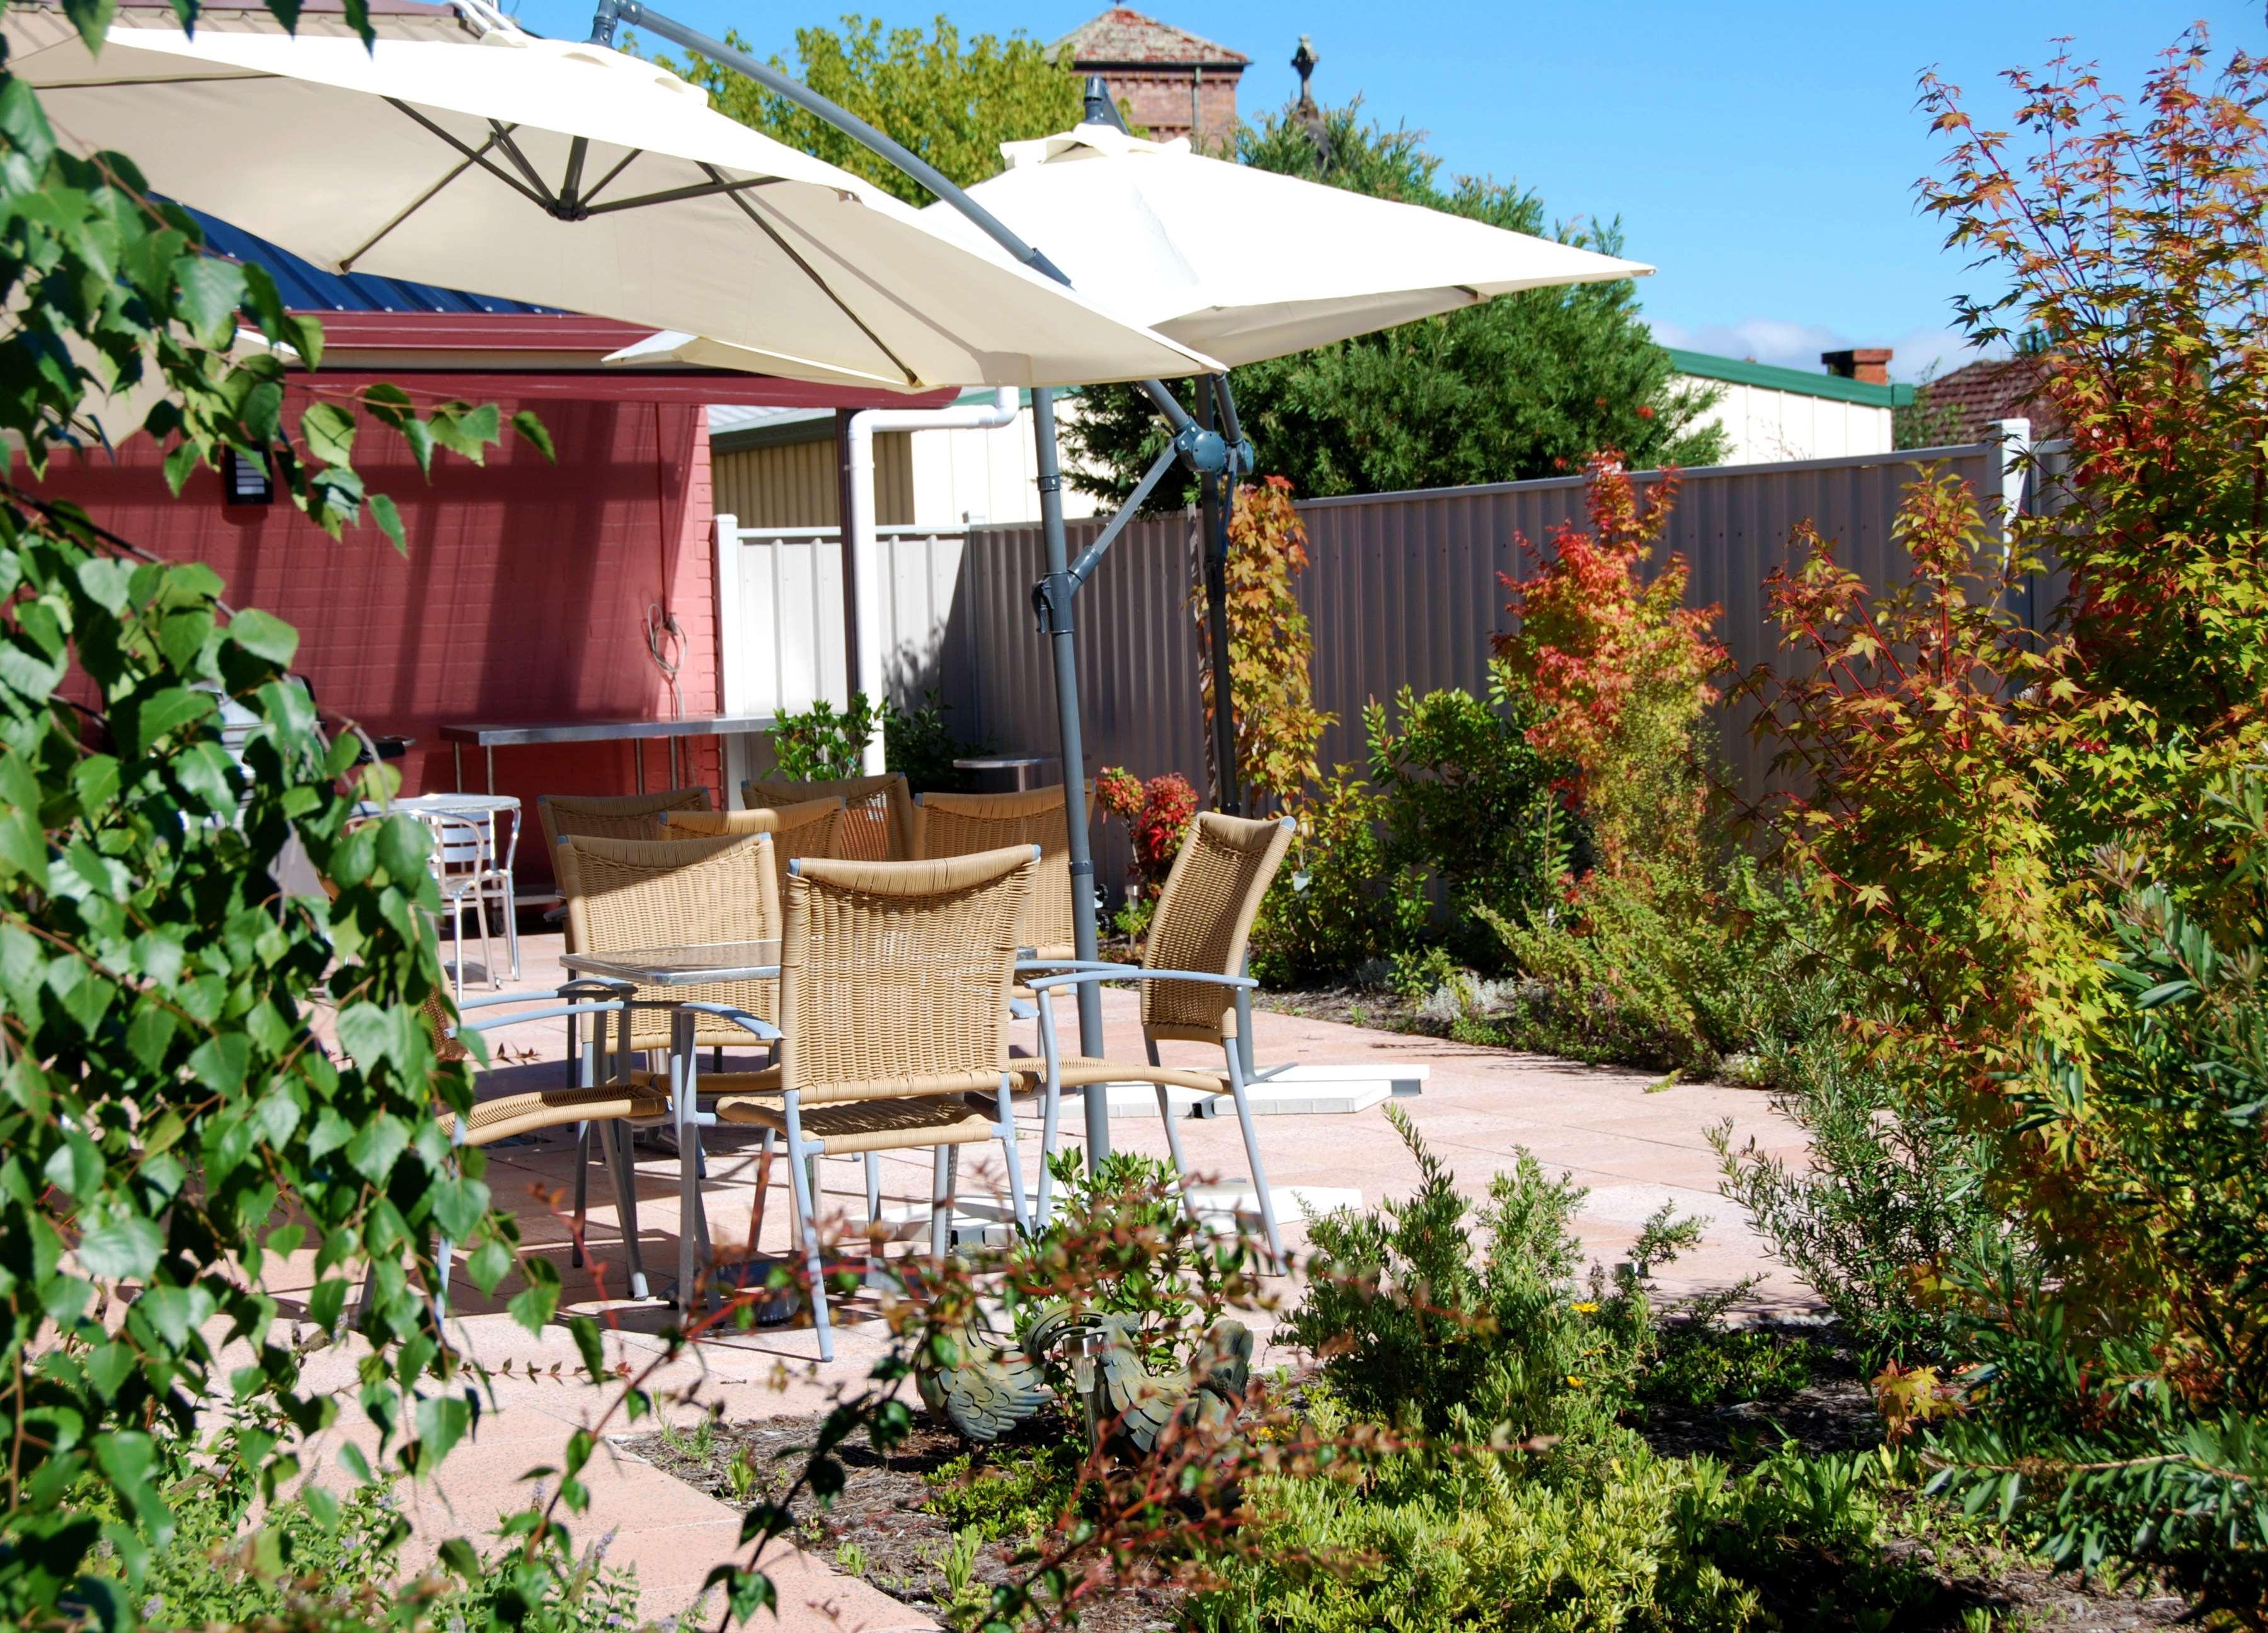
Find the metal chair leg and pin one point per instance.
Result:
(940, 1207)
(582, 1193)
(1252, 1151)
(873, 1212)
(1008, 1148)
(1172, 1130)
(457, 939)
(800, 1163)
(1050, 1108)
(616, 1141)
(764, 1192)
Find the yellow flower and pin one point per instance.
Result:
(1574, 1382)
(1586, 1308)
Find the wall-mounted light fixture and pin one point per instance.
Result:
(246, 480)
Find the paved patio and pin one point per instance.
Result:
(1634, 1147)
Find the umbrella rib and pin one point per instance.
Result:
(789, 250)
(519, 162)
(409, 209)
(479, 156)
(628, 160)
(705, 189)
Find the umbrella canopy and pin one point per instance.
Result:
(573, 176)
(1246, 264)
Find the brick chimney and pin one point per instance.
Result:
(1867, 363)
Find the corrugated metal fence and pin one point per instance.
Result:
(1402, 589)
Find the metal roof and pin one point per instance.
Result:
(306, 287)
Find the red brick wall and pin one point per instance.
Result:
(1159, 101)
(523, 595)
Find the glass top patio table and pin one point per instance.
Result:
(680, 967)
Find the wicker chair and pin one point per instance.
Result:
(813, 829)
(628, 893)
(878, 825)
(894, 1005)
(1194, 988)
(612, 816)
(959, 825)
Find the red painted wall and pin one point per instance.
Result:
(523, 595)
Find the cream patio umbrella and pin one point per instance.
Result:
(1246, 264)
(569, 175)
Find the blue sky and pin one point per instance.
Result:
(1762, 154)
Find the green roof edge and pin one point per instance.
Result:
(1772, 377)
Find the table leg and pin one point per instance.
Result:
(689, 1175)
(676, 777)
(637, 765)
(458, 750)
(491, 754)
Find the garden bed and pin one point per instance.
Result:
(881, 1526)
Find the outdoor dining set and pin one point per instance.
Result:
(876, 951)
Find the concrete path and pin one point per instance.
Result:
(1634, 1148)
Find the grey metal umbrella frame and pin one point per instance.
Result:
(1211, 444)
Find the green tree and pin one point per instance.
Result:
(1924, 422)
(1528, 385)
(952, 104)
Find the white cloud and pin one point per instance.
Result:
(1798, 345)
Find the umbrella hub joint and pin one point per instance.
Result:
(1204, 450)
(1051, 599)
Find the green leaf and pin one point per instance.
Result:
(330, 431)
(264, 636)
(23, 842)
(382, 511)
(442, 1421)
(369, 1034)
(532, 429)
(211, 293)
(585, 1331)
(90, 18)
(122, 1250)
(377, 1146)
(533, 1304)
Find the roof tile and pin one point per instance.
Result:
(1122, 35)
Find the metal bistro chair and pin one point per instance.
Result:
(893, 1005)
(463, 865)
(878, 822)
(1194, 988)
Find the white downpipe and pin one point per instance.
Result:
(859, 559)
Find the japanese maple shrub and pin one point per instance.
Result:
(2042, 844)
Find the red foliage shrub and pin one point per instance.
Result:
(1157, 814)
(1619, 666)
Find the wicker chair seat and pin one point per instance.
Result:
(871, 1125)
(713, 1083)
(528, 1112)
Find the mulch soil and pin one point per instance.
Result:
(883, 1510)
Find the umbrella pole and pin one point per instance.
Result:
(1054, 595)
(1054, 602)
(1216, 491)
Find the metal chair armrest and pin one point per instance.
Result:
(764, 1031)
(554, 1012)
(1129, 971)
